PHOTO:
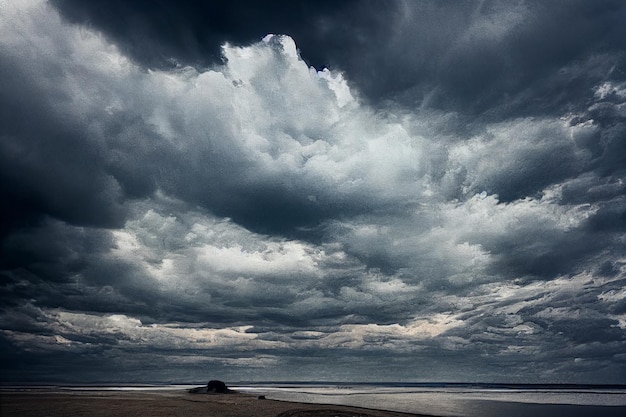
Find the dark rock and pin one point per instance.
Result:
(217, 387)
(261, 397)
(213, 387)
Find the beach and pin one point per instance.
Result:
(299, 401)
(95, 403)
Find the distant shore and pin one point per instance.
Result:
(96, 403)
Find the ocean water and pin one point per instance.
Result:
(459, 399)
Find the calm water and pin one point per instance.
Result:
(466, 400)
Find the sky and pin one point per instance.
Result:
(313, 191)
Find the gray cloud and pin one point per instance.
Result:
(251, 212)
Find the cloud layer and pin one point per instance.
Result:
(260, 217)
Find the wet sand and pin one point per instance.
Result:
(51, 403)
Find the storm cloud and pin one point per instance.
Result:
(412, 190)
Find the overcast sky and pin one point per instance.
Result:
(310, 190)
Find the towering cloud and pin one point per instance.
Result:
(450, 191)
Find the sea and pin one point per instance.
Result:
(434, 399)
(467, 400)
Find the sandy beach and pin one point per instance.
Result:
(60, 403)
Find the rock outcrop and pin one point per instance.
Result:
(213, 387)
(217, 387)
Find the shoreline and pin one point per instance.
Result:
(55, 401)
(28, 402)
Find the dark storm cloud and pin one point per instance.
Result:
(488, 58)
(500, 59)
(47, 165)
(81, 170)
(457, 191)
(164, 33)
(472, 57)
